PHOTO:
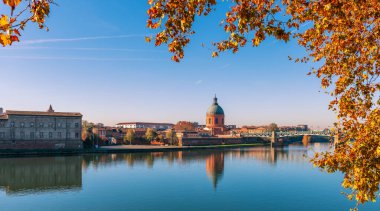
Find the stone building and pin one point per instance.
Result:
(156, 126)
(215, 118)
(40, 130)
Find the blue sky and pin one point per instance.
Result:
(95, 60)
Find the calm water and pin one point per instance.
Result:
(230, 179)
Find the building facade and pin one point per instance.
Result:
(157, 126)
(40, 130)
(215, 118)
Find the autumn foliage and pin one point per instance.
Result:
(20, 13)
(343, 36)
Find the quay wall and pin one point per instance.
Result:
(204, 141)
(40, 144)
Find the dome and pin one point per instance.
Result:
(215, 108)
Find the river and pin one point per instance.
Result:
(254, 178)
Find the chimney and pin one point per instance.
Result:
(1, 111)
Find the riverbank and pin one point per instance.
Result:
(119, 149)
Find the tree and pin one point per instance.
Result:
(129, 136)
(272, 127)
(342, 37)
(160, 138)
(150, 134)
(171, 136)
(184, 125)
(87, 134)
(22, 12)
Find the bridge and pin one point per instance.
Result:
(277, 136)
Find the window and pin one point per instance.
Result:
(32, 124)
(50, 125)
(59, 135)
(2, 135)
(67, 125)
(13, 135)
(68, 135)
(41, 134)
(59, 125)
(31, 135)
(76, 135)
(1, 124)
(223, 121)
(22, 134)
(41, 124)
(22, 124)
(216, 120)
(77, 124)
(50, 135)
(209, 120)
(12, 124)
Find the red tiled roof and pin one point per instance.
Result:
(43, 113)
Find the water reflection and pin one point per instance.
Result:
(32, 175)
(215, 167)
(25, 175)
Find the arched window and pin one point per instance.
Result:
(216, 120)
(209, 120)
(223, 121)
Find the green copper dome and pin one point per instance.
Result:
(215, 108)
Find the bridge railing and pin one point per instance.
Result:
(287, 133)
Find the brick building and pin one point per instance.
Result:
(215, 118)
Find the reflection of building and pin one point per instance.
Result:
(215, 118)
(40, 174)
(215, 167)
(157, 126)
(40, 130)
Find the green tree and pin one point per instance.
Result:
(272, 127)
(160, 138)
(88, 137)
(171, 137)
(129, 136)
(150, 134)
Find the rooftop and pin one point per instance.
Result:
(143, 123)
(42, 113)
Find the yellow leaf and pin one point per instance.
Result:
(148, 39)
(4, 22)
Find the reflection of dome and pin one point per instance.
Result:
(215, 108)
(215, 168)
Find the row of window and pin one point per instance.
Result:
(216, 121)
(40, 135)
(41, 124)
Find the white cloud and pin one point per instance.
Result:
(198, 82)
(38, 41)
(77, 58)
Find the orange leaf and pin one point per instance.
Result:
(16, 32)
(14, 38)
(12, 3)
